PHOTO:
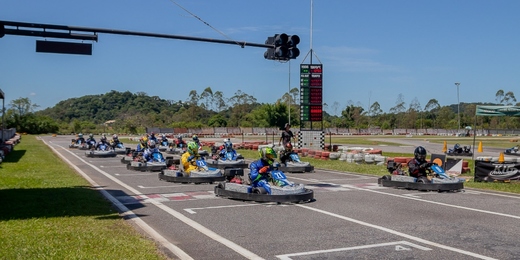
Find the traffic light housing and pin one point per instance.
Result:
(285, 47)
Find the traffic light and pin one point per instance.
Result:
(285, 47)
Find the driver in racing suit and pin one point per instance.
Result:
(115, 141)
(188, 159)
(149, 151)
(227, 148)
(81, 139)
(418, 165)
(102, 141)
(142, 144)
(164, 139)
(260, 169)
(286, 154)
(91, 141)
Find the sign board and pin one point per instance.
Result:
(311, 92)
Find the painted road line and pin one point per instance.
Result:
(226, 242)
(134, 174)
(493, 194)
(398, 247)
(422, 200)
(115, 166)
(192, 210)
(397, 233)
(125, 212)
(154, 187)
(442, 204)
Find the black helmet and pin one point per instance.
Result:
(420, 153)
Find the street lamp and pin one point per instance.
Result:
(458, 105)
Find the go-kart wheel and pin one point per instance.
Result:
(423, 180)
(386, 177)
(259, 190)
(220, 185)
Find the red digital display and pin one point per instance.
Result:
(311, 85)
(316, 113)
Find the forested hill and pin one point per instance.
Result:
(109, 106)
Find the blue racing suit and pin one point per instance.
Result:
(148, 154)
(223, 154)
(259, 172)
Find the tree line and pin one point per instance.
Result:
(134, 112)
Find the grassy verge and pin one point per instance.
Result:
(380, 170)
(47, 211)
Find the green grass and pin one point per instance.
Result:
(47, 211)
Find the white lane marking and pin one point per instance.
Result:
(397, 233)
(134, 174)
(441, 203)
(115, 166)
(349, 174)
(125, 212)
(153, 187)
(397, 244)
(427, 201)
(192, 210)
(228, 243)
(493, 194)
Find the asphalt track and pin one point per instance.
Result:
(352, 217)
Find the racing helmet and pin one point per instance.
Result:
(151, 144)
(163, 136)
(288, 147)
(80, 135)
(91, 136)
(193, 148)
(195, 138)
(420, 153)
(229, 146)
(179, 137)
(114, 137)
(267, 154)
(144, 140)
(103, 138)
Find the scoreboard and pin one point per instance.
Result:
(311, 86)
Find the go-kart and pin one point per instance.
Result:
(157, 163)
(293, 164)
(231, 166)
(460, 151)
(282, 190)
(130, 155)
(118, 147)
(203, 174)
(103, 150)
(435, 180)
(77, 143)
(163, 145)
(512, 151)
(176, 147)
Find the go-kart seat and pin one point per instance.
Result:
(181, 166)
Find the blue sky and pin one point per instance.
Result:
(371, 50)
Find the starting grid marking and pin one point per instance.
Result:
(184, 196)
(200, 195)
(398, 246)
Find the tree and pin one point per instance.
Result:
(207, 97)
(23, 106)
(499, 96)
(399, 108)
(432, 107)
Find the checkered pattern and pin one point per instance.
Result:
(311, 139)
